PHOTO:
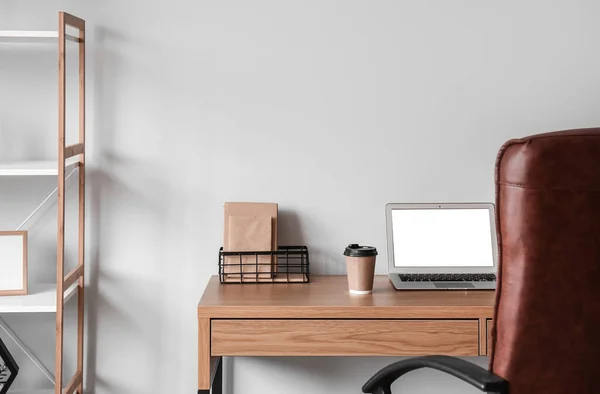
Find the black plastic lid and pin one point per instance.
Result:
(355, 250)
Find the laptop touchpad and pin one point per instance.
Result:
(454, 285)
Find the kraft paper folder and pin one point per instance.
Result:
(250, 227)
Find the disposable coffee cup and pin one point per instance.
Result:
(360, 264)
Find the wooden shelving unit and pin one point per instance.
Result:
(52, 298)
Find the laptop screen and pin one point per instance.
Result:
(442, 238)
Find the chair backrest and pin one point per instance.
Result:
(546, 336)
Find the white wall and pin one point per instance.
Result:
(331, 108)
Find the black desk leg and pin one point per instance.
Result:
(217, 380)
(217, 384)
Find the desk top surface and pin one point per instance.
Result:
(328, 297)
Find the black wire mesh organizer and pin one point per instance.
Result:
(288, 264)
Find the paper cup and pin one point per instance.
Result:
(360, 265)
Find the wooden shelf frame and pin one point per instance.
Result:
(64, 282)
(70, 158)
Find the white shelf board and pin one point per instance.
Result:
(41, 299)
(34, 35)
(33, 168)
(28, 34)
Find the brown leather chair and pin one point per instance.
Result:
(547, 315)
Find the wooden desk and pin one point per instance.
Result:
(321, 319)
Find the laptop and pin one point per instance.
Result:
(442, 246)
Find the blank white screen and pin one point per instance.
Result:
(442, 238)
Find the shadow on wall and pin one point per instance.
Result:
(289, 229)
(99, 187)
(292, 231)
(127, 210)
(101, 106)
(117, 291)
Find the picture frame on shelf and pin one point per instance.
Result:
(8, 369)
(13, 263)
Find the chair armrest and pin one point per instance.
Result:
(473, 374)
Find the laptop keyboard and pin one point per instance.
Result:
(447, 277)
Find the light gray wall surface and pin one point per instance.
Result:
(330, 108)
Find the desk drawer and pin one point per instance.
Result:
(344, 337)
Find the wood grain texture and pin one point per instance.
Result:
(74, 150)
(322, 319)
(482, 336)
(81, 224)
(73, 383)
(72, 20)
(344, 337)
(60, 254)
(327, 297)
(80, 331)
(204, 366)
(490, 325)
(73, 276)
(64, 152)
